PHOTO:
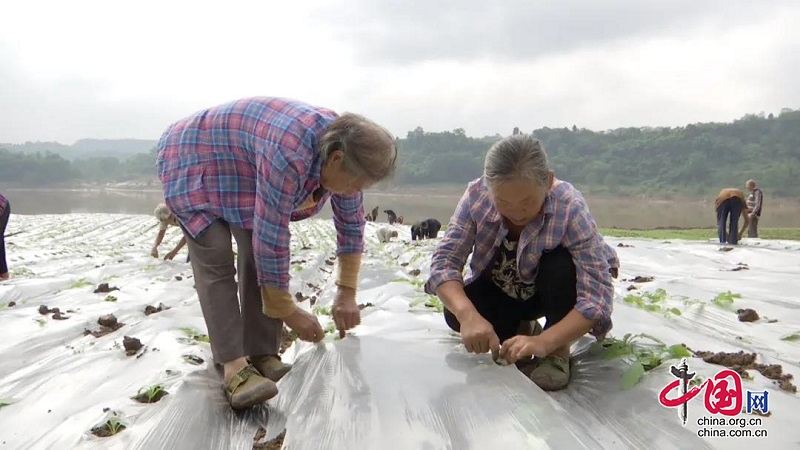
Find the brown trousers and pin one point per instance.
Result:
(236, 325)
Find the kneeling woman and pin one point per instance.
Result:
(536, 252)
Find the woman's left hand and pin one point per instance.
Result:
(518, 347)
(345, 310)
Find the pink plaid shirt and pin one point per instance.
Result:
(477, 228)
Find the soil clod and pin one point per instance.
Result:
(178, 278)
(10, 304)
(747, 315)
(44, 310)
(272, 444)
(150, 309)
(632, 287)
(132, 345)
(640, 279)
(328, 262)
(103, 288)
(365, 305)
(151, 395)
(193, 359)
(740, 362)
(58, 316)
(414, 272)
(624, 245)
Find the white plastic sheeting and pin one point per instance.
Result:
(400, 381)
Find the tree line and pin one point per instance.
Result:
(697, 159)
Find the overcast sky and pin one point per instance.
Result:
(71, 70)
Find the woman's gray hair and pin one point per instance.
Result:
(162, 213)
(369, 149)
(517, 157)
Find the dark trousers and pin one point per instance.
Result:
(231, 307)
(728, 232)
(556, 295)
(3, 223)
(752, 228)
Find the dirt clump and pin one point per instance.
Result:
(747, 315)
(193, 359)
(740, 362)
(328, 262)
(624, 245)
(640, 279)
(725, 249)
(57, 315)
(151, 395)
(632, 287)
(150, 309)
(414, 272)
(178, 278)
(740, 266)
(44, 310)
(105, 430)
(365, 305)
(131, 345)
(103, 288)
(403, 264)
(272, 444)
(10, 304)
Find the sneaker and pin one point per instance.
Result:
(270, 366)
(248, 388)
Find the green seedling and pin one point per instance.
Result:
(83, 282)
(322, 310)
(794, 337)
(645, 357)
(4, 403)
(109, 428)
(195, 336)
(150, 394)
(725, 299)
(652, 301)
(110, 298)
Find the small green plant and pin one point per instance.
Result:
(645, 357)
(83, 282)
(41, 322)
(725, 299)
(110, 298)
(195, 335)
(794, 337)
(110, 427)
(417, 283)
(4, 403)
(652, 301)
(150, 394)
(322, 310)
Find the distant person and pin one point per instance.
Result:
(165, 220)
(247, 169)
(391, 216)
(730, 204)
(386, 234)
(399, 220)
(374, 213)
(755, 201)
(433, 228)
(5, 213)
(564, 272)
(419, 230)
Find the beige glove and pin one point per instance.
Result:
(349, 266)
(276, 303)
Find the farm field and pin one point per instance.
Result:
(132, 364)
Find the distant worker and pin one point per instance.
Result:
(730, 202)
(5, 213)
(386, 234)
(399, 220)
(754, 203)
(391, 216)
(374, 214)
(166, 219)
(433, 228)
(419, 230)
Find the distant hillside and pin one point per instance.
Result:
(695, 160)
(87, 148)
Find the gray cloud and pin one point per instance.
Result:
(409, 31)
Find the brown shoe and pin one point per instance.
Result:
(551, 373)
(270, 366)
(248, 388)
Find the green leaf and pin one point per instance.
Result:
(632, 376)
(675, 311)
(652, 307)
(794, 337)
(678, 351)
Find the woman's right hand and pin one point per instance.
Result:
(305, 325)
(478, 335)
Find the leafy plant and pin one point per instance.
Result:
(652, 301)
(83, 282)
(794, 337)
(110, 298)
(725, 299)
(322, 310)
(195, 336)
(645, 357)
(150, 394)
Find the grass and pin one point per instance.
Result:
(696, 234)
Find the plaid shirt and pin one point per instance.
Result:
(254, 163)
(477, 227)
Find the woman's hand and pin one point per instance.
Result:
(345, 310)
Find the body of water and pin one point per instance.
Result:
(622, 212)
